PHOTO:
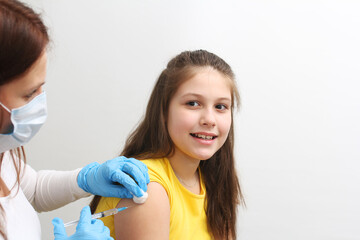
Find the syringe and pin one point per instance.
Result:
(98, 215)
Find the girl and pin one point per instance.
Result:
(186, 139)
(23, 59)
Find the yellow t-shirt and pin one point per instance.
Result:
(187, 214)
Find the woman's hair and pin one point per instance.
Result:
(23, 38)
(151, 139)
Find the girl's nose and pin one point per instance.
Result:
(208, 118)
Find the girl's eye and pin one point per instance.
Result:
(221, 106)
(193, 103)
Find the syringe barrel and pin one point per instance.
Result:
(105, 213)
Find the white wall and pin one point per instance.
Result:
(297, 65)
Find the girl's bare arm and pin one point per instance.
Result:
(147, 221)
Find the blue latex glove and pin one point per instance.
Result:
(87, 228)
(103, 179)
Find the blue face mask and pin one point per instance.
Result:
(26, 121)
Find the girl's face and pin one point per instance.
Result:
(199, 116)
(22, 90)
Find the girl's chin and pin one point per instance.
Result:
(204, 157)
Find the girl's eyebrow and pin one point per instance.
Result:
(191, 95)
(201, 96)
(224, 99)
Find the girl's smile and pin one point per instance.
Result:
(204, 138)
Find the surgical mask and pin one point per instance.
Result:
(26, 121)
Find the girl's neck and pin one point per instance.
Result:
(185, 169)
(184, 166)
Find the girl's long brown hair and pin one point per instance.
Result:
(151, 140)
(23, 38)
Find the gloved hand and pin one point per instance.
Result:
(87, 228)
(103, 179)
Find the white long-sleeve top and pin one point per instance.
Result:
(38, 191)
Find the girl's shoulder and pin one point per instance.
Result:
(158, 165)
(159, 171)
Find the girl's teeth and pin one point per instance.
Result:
(204, 136)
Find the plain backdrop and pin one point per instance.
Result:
(297, 65)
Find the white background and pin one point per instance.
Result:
(297, 65)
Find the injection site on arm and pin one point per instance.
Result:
(142, 199)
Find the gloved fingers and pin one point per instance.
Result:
(143, 168)
(138, 163)
(99, 227)
(134, 171)
(85, 217)
(122, 160)
(117, 191)
(97, 224)
(106, 231)
(59, 229)
(125, 180)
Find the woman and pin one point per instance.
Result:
(23, 59)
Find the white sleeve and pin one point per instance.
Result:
(48, 190)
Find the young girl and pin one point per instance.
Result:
(186, 139)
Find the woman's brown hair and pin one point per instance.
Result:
(23, 38)
(151, 140)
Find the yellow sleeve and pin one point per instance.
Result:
(158, 172)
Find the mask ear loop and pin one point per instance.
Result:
(6, 110)
(5, 107)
